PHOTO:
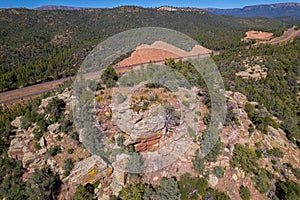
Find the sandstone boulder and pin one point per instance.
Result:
(51, 162)
(44, 104)
(119, 174)
(17, 122)
(90, 170)
(213, 180)
(138, 125)
(42, 142)
(28, 158)
(53, 128)
(65, 95)
(16, 147)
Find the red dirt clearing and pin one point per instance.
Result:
(258, 35)
(158, 51)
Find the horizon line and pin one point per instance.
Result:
(111, 7)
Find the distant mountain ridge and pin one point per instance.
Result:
(266, 10)
(54, 7)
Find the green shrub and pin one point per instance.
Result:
(258, 153)
(53, 151)
(66, 126)
(214, 151)
(37, 145)
(206, 119)
(231, 117)
(198, 163)
(296, 172)
(74, 136)
(37, 134)
(42, 124)
(70, 151)
(168, 190)
(245, 193)
(120, 141)
(55, 109)
(261, 119)
(186, 104)
(83, 193)
(192, 188)
(288, 190)
(59, 138)
(46, 184)
(261, 181)
(251, 129)
(66, 173)
(198, 113)
(109, 77)
(133, 192)
(275, 152)
(219, 172)
(244, 158)
(213, 194)
(68, 164)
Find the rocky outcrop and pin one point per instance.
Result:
(255, 72)
(53, 128)
(65, 96)
(139, 125)
(44, 104)
(42, 142)
(20, 149)
(147, 144)
(119, 174)
(17, 122)
(28, 158)
(89, 170)
(16, 146)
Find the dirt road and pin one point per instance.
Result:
(289, 35)
(38, 89)
(30, 91)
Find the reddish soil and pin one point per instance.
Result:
(157, 52)
(258, 35)
(147, 55)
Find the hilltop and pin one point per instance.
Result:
(54, 7)
(252, 152)
(142, 131)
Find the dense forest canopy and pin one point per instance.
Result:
(38, 46)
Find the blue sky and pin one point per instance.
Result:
(144, 3)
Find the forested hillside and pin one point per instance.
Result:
(278, 91)
(44, 45)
